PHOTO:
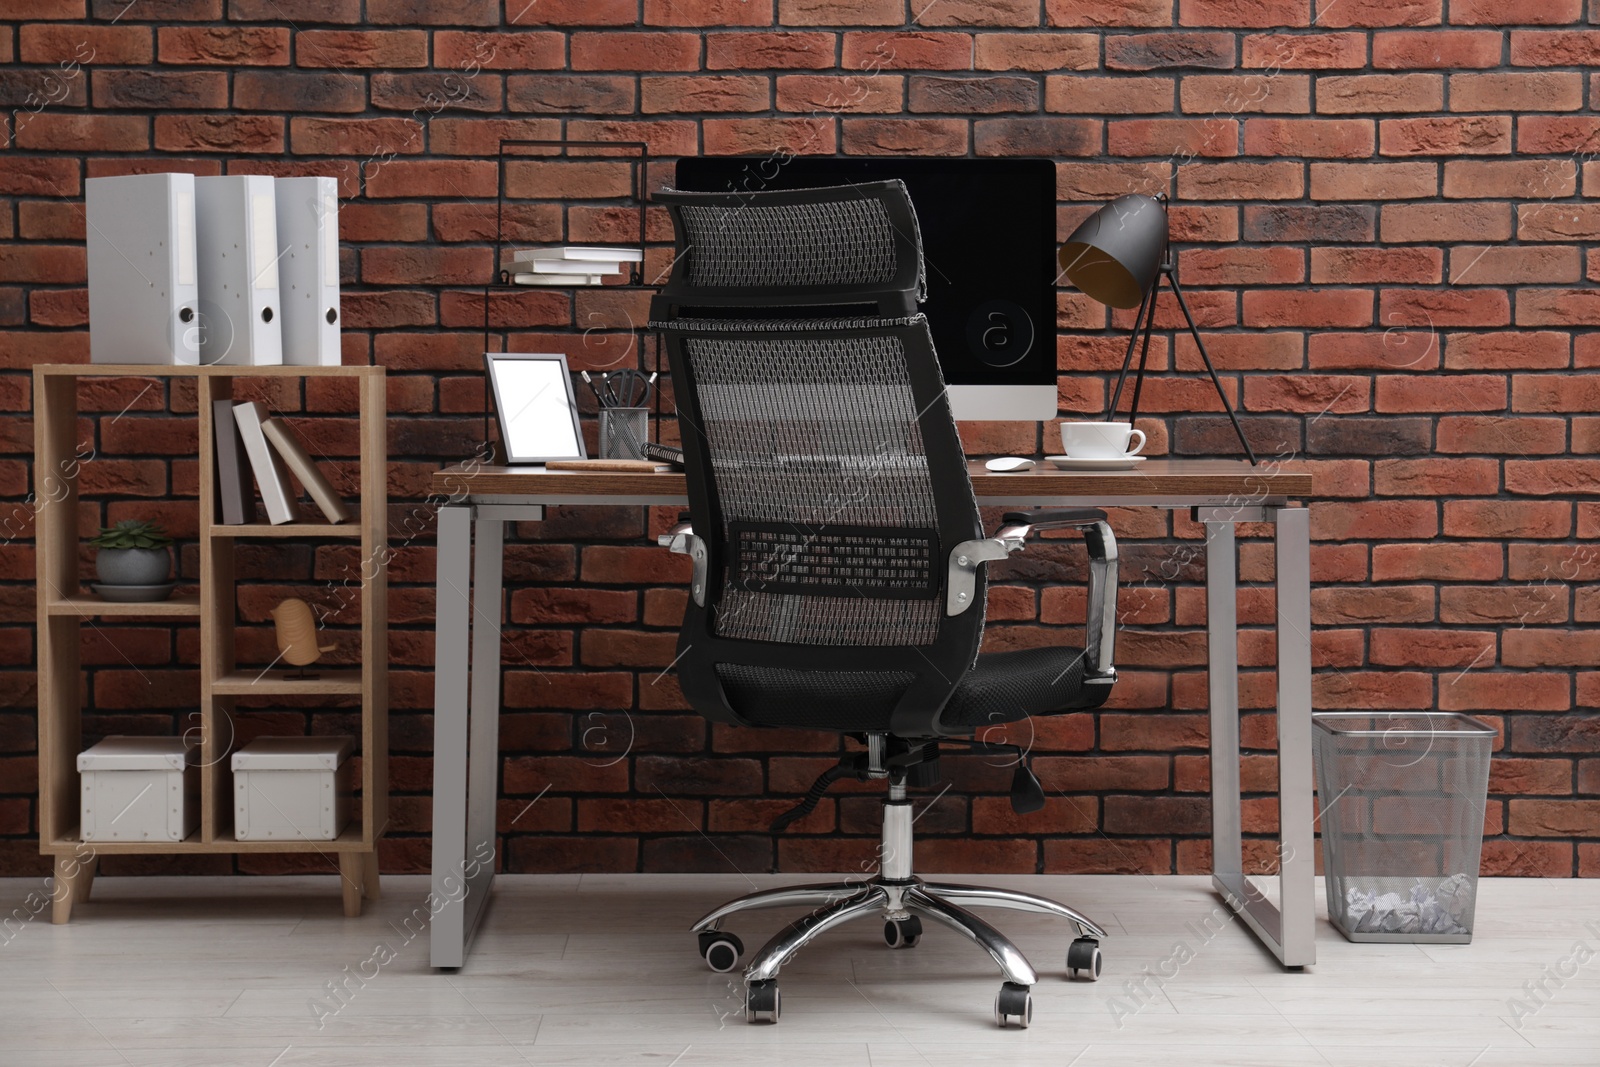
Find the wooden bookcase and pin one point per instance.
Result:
(63, 607)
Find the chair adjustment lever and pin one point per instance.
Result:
(1027, 795)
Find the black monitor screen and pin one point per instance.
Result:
(988, 234)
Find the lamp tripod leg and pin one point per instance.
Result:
(1127, 357)
(1194, 332)
(1144, 354)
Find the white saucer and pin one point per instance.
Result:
(1110, 463)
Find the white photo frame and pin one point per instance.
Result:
(535, 406)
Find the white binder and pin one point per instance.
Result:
(236, 223)
(143, 300)
(308, 269)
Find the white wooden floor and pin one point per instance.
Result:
(573, 971)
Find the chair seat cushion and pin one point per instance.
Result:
(1006, 686)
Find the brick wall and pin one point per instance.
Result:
(1386, 235)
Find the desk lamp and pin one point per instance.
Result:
(1118, 256)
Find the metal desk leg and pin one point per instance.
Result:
(1290, 929)
(453, 619)
(1297, 865)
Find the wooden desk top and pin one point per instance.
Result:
(1217, 480)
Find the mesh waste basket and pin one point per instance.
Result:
(1402, 797)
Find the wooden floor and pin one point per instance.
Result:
(599, 970)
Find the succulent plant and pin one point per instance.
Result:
(132, 533)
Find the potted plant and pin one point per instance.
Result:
(133, 561)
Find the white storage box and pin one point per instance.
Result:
(292, 788)
(140, 789)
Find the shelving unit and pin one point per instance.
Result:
(63, 607)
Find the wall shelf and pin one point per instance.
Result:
(63, 609)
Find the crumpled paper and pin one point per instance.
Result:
(1440, 909)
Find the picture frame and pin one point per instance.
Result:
(535, 407)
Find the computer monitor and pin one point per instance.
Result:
(988, 236)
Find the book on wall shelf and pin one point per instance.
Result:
(293, 450)
(244, 431)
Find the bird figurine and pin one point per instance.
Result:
(297, 636)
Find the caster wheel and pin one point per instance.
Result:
(902, 933)
(720, 950)
(1083, 959)
(1013, 1006)
(762, 1004)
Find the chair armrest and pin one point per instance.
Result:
(682, 540)
(1100, 632)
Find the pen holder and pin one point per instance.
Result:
(623, 431)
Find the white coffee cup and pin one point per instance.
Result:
(1100, 440)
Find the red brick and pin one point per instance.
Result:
(1320, 138)
(979, 13)
(1436, 477)
(1556, 133)
(1540, 178)
(219, 133)
(347, 11)
(1373, 181)
(769, 51)
(435, 12)
(986, 94)
(1380, 520)
(1388, 604)
(1558, 222)
(1485, 221)
(1553, 477)
(1496, 351)
(628, 51)
(1243, 351)
(1253, 13)
(1090, 13)
(361, 48)
(1036, 51)
(1522, 518)
(802, 136)
(1373, 690)
(1554, 818)
(717, 92)
(1394, 647)
(43, 263)
(841, 12)
(1242, 266)
(1527, 859)
(872, 51)
(1329, 307)
(1099, 855)
(1345, 266)
(938, 137)
(1318, 223)
(1446, 136)
(1496, 434)
(1108, 95)
(1167, 51)
(715, 13)
(464, 51)
(588, 94)
(260, 46)
(1364, 93)
(44, 43)
(1512, 266)
(1553, 48)
(1452, 393)
(297, 92)
(1435, 49)
(1558, 307)
(1164, 137)
(834, 93)
(1490, 13)
(45, 9)
(1522, 91)
(59, 132)
(1306, 51)
(573, 13)
(1378, 12)
(1451, 307)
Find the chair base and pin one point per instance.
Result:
(901, 903)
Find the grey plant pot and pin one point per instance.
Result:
(132, 566)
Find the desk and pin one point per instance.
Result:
(1222, 493)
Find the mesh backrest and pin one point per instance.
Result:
(848, 242)
(826, 500)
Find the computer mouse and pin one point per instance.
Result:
(1006, 464)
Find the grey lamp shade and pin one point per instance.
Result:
(1114, 254)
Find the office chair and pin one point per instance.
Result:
(837, 550)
